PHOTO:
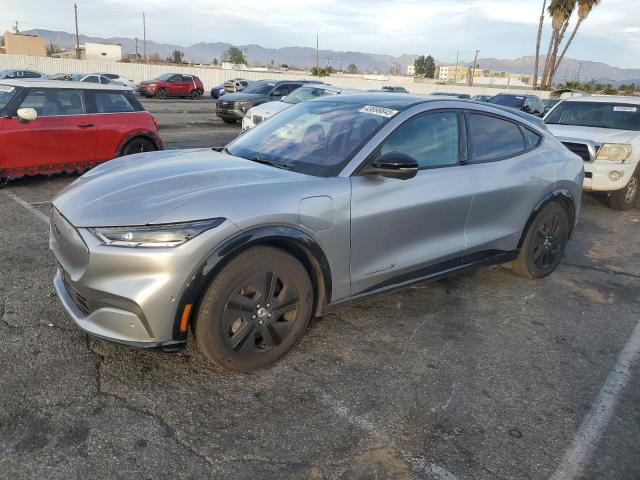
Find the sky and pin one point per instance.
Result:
(498, 28)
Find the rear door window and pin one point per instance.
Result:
(493, 138)
(112, 102)
(187, 78)
(49, 102)
(92, 79)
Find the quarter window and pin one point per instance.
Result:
(112, 102)
(92, 79)
(431, 139)
(493, 138)
(50, 102)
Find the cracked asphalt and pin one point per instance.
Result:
(484, 375)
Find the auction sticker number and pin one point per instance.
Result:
(383, 112)
(625, 109)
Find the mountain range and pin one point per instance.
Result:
(305, 57)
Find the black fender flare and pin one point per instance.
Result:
(293, 240)
(151, 136)
(564, 196)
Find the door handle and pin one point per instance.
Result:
(85, 125)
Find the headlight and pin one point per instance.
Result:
(245, 104)
(154, 236)
(614, 152)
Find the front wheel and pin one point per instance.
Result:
(544, 244)
(255, 310)
(162, 94)
(625, 198)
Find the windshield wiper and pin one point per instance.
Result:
(220, 149)
(266, 161)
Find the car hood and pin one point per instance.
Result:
(137, 189)
(269, 109)
(596, 135)
(240, 96)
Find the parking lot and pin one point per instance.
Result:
(484, 375)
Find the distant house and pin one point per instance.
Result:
(18, 44)
(94, 51)
(411, 70)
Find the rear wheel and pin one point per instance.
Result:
(196, 94)
(625, 198)
(162, 94)
(255, 310)
(544, 244)
(138, 145)
(229, 121)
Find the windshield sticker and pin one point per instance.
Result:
(383, 112)
(6, 88)
(625, 109)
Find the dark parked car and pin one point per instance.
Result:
(549, 103)
(172, 85)
(221, 89)
(19, 74)
(481, 98)
(527, 103)
(233, 106)
(464, 96)
(389, 88)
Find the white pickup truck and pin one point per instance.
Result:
(605, 132)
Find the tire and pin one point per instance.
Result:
(544, 244)
(229, 121)
(162, 94)
(138, 145)
(196, 94)
(625, 199)
(243, 327)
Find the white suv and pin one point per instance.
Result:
(605, 132)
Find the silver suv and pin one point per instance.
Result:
(329, 202)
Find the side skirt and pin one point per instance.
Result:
(431, 273)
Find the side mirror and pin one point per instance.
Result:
(276, 93)
(27, 114)
(394, 165)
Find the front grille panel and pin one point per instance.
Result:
(224, 105)
(579, 149)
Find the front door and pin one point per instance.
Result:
(63, 133)
(405, 229)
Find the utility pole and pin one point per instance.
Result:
(473, 71)
(340, 63)
(144, 37)
(136, 39)
(579, 69)
(75, 9)
(16, 28)
(317, 56)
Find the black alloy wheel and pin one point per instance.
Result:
(138, 145)
(162, 94)
(255, 310)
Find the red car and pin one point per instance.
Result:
(48, 126)
(172, 85)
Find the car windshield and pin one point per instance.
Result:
(315, 138)
(514, 101)
(261, 88)
(6, 94)
(306, 93)
(164, 77)
(619, 116)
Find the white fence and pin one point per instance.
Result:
(213, 76)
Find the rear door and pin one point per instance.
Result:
(402, 230)
(116, 118)
(509, 178)
(63, 133)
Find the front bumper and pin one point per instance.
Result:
(598, 175)
(230, 114)
(125, 295)
(147, 91)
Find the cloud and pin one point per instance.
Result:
(498, 28)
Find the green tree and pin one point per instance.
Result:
(235, 55)
(319, 72)
(284, 66)
(53, 49)
(560, 11)
(176, 56)
(420, 65)
(429, 67)
(352, 68)
(215, 61)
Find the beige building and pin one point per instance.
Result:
(510, 78)
(95, 51)
(16, 44)
(451, 73)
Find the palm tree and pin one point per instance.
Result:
(560, 11)
(584, 9)
(535, 73)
